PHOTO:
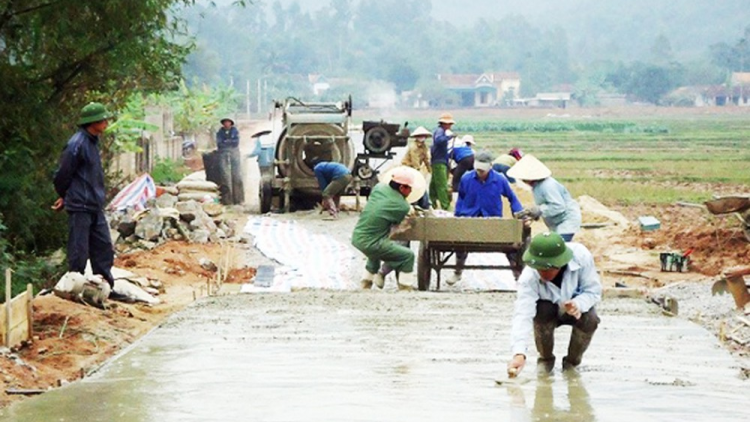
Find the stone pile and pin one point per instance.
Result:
(168, 218)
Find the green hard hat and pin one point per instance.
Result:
(547, 250)
(93, 112)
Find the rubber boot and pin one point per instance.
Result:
(366, 281)
(407, 281)
(379, 280)
(544, 337)
(579, 342)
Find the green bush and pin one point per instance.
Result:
(168, 171)
(26, 268)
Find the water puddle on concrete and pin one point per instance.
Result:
(378, 356)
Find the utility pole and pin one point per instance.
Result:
(247, 99)
(259, 96)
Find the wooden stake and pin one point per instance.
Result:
(64, 326)
(30, 310)
(8, 298)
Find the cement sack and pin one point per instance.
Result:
(198, 196)
(196, 185)
(92, 289)
(134, 293)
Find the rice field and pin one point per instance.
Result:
(628, 161)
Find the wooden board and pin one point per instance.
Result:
(464, 230)
(19, 326)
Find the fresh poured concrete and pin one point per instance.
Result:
(386, 356)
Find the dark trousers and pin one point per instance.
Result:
(567, 236)
(466, 164)
(232, 189)
(549, 317)
(88, 238)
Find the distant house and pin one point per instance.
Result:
(546, 100)
(482, 90)
(703, 96)
(740, 82)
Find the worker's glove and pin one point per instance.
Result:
(532, 213)
(449, 133)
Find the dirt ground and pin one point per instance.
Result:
(71, 340)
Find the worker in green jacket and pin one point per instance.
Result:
(386, 207)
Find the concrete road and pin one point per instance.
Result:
(382, 356)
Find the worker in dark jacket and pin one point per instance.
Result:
(79, 181)
(333, 178)
(228, 144)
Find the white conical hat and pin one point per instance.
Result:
(418, 187)
(468, 140)
(421, 131)
(529, 168)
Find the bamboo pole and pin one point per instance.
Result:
(7, 306)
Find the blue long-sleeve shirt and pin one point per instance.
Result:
(79, 179)
(439, 148)
(459, 153)
(326, 172)
(228, 138)
(483, 199)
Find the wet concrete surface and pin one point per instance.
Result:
(381, 356)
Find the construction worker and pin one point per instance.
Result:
(333, 178)
(558, 286)
(504, 162)
(79, 182)
(463, 155)
(480, 194)
(387, 207)
(554, 204)
(418, 157)
(441, 136)
(228, 144)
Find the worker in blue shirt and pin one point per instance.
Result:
(333, 178)
(479, 195)
(463, 155)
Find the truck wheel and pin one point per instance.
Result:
(424, 268)
(266, 196)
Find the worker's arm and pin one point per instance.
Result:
(441, 138)
(69, 161)
(463, 187)
(234, 135)
(507, 191)
(589, 285)
(553, 204)
(524, 311)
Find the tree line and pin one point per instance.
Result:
(399, 42)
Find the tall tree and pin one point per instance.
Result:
(54, 57)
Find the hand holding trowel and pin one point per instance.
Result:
(515, 366)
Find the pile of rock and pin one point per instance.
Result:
(169, 218)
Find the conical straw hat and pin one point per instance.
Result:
(529, 168)
(421, 131)
(418, 188)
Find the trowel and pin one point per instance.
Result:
(511, 378)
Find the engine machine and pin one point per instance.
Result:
(311, 132)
